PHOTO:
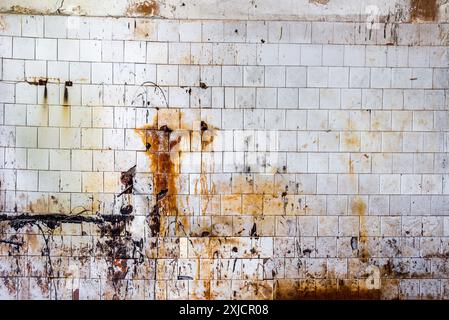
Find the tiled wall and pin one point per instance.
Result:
(218, 159)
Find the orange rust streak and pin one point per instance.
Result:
(162, 165)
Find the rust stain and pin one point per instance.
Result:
(65, 101)
(351, 140)
(207, 294)
(40, 205)
(423, 10)
(164, 164)
(41, 81)
(45, 96)
(121, 265)
(143, 8)
(319, 2)
(351, 166)
(144, 29)
(358, 207)
(207, 136)
(185, 60)
(3, 24)
(252, 204)
(310, 289)
(23, 10)
(160, 145)
(33, 242)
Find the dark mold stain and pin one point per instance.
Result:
(253, 232)
(354, 243)
(126, 209)
(53, 221)
(65, 100)
(127, 179)
(204, 126)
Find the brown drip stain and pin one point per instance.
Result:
(423, 10)
(351, 166)
(207, 294)
(65, 100)
(207, 136)
(165, 168)
(45, 96)
(358, 207)
(143, 8)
